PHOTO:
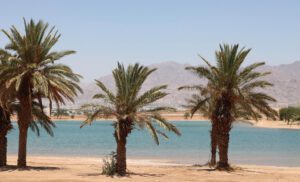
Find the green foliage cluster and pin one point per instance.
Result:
(289, 114)
(187, 115)
(61, 112)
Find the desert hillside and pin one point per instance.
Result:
(286, 80)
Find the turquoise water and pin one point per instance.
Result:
(248, 145)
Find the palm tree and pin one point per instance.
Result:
(231, 93)
(131, 108)
(34, 75)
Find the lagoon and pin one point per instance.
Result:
(248, 144)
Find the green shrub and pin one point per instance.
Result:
(289, 114)
(187, 115)
(109, 165)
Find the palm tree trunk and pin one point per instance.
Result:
(223, 129)
(121, 157)
(24, 118)
(3, 150)
(124, 128)
(22, 153)
(213, 136)
(223, 144)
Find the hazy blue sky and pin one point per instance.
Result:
(104, 32)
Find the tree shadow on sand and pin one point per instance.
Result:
(28, 168)
(90, 174)
(128, 175)
(233, 170)
(145, 174)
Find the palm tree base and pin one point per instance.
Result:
(223, 167)
(121, 173)
(21, 165)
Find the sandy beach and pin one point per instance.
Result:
(80, 169)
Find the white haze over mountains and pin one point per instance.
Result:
(286, 80)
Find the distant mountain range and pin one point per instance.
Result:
(285, 77)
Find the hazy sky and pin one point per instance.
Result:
(104, 32)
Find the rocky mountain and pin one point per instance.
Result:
(285, 77)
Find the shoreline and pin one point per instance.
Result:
(271, 124)
(140, 160)
(87, 169)
(175, 117)
(49, 159)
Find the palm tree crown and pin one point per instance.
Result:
(128, 104)
(227, 81)
(31, 60)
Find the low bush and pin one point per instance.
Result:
(109, 165)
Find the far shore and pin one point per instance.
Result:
(274, 124)
(86, 169)
(179, 116)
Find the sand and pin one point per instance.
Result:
(80, 169)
